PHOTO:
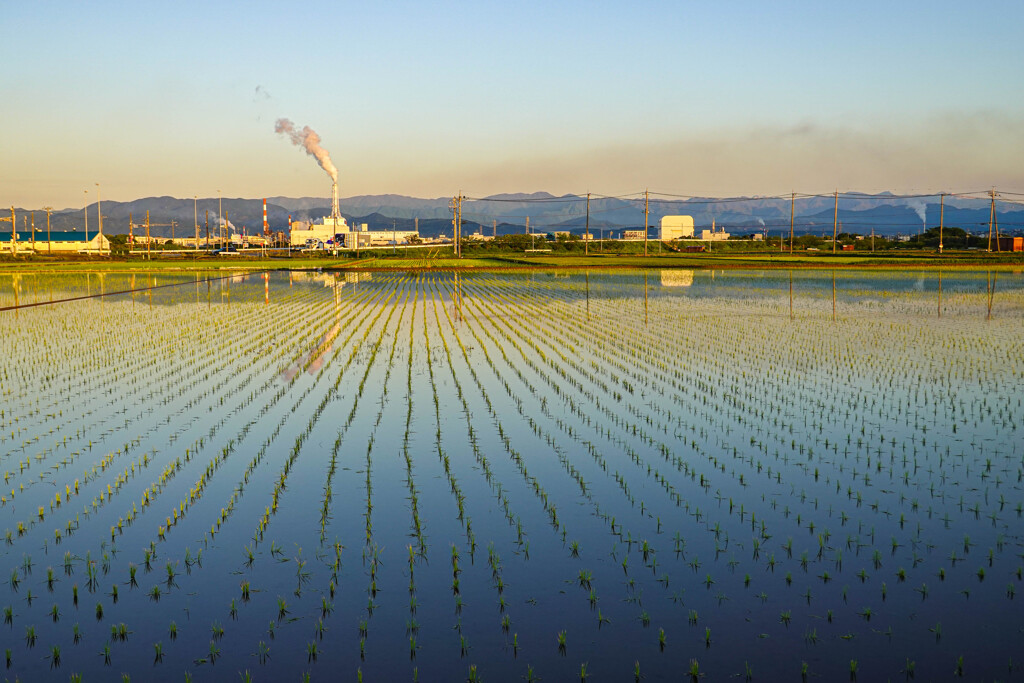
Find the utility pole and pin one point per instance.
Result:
(942, 213)
(220, 210)
(835, 226)
(494, 227)
(647, 199)
(455, 229)
(86, 212)
(99, 217)
(131, 234)
(195, 218)
(33, 232)
(586, 236)
(993, 222)
(872, 239)
(14, 232)
(49, 244)
(792, 213)
(207, 229)
(532, 241)
(456, 207)
(991, 216)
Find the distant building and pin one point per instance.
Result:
(676, 227)
(68, 243)
(634, 234)
(1009, 244)
(335, 233)
(713, 235)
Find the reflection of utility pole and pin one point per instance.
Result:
(790, 294)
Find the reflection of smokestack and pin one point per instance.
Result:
(334, 200)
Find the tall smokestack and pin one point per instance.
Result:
(266, 227)
(334, 200)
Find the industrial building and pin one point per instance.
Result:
(676, 227)
(1008, 243)
(714, 235)
(59, 243)
(334, 232)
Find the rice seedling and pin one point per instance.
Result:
(627, 411)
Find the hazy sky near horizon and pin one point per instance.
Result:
(430, 98)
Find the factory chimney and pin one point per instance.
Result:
(334, 200)
(266, 226)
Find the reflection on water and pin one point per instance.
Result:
(767, 468)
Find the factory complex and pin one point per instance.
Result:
(334, 232)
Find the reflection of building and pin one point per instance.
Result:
(676, 227)
(676, 278)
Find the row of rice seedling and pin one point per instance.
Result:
(148, 562)
(714, 479)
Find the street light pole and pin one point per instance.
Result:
(99, 213)
(220, 215)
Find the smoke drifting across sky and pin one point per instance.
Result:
(308, 139)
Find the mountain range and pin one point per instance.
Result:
(885, 214)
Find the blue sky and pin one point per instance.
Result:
(428, 99)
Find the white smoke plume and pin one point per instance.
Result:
(220, 222)
(308, 139)
(919, 206)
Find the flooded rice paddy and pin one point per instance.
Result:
(440, 477)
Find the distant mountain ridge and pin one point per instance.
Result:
(883, 213)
